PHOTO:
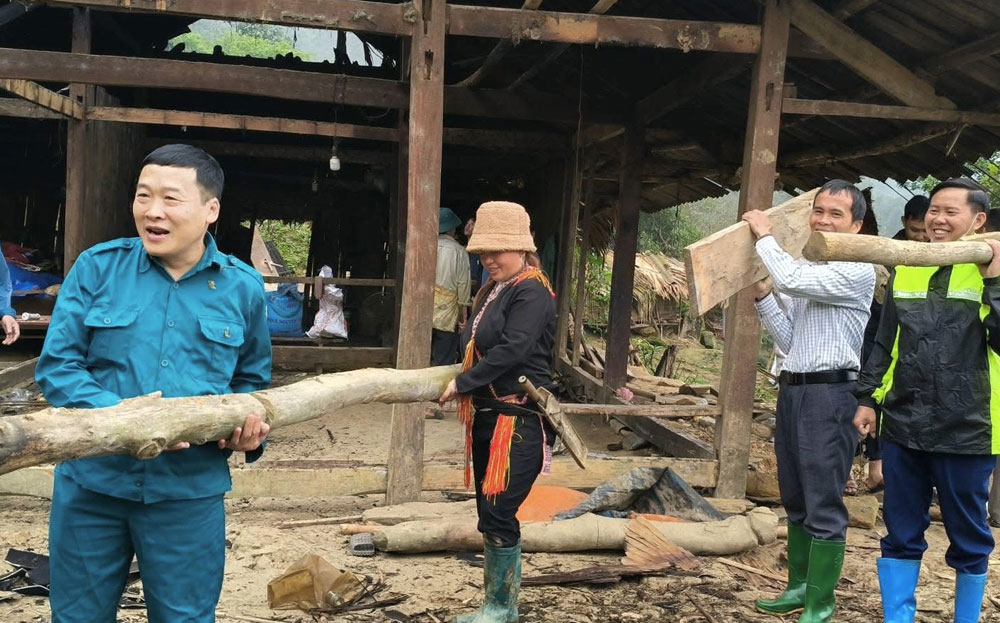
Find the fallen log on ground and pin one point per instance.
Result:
(586, 533)
(834, 247)
(142, 427)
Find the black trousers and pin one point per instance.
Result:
(444, 347)
(814, 440)
(498, 515)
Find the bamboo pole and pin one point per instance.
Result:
(142, 427)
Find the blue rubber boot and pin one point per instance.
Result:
(969, 588)
(502, 583)
(897, 579)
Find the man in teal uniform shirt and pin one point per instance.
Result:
(165, 312)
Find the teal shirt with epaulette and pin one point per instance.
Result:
(123, 327)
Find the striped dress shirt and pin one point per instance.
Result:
(826, 309)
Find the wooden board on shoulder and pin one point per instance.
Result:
(724, 263)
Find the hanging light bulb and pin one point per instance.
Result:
(315, 182)
(334, 159)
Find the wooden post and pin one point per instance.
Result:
(423, 197)
(74, 240)
(567, 243)
(623, 269)
(581, 271)
(739, 362)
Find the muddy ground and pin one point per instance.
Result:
(440, 586)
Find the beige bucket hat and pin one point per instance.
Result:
(501, 226)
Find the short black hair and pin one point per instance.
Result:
(916, 208)
(208, 173)
(992, 220)
(858, 204)
(977, 198)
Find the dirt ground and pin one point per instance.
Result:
(441, 586)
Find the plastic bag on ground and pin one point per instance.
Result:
(310, 583)
(329, 321)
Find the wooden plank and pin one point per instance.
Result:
(623, 268)
(739, 360)
(724, 263)
(355, 480)
(299, 153)
(567, 244)
(706, 73)
(18, 373)
(848, 8)
(669, 440)
(351, 15)
(591, 29)
(866, 59)
(423, 194)
(10, 107)
(331, 358)
(581, 270)
(497, 54)
(37, 94)
(668, 411)
(285, 84)
(337, 281)
(898, 142)
(797, 106)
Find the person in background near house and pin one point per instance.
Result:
(913, 220)
(165, 313)
(933, 370)
(452, 296)
(475, 265)
(511, 333)
(8, 317)
(821, 330)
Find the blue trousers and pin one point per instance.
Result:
(180, 546)
(962, 482)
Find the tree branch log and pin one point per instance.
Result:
(142, 427)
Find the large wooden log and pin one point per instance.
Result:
(724, 263)
(832, 247)
(142, 427)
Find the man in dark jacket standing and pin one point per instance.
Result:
(936, 372)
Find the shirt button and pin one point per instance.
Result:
(176, 285)
(107, 321)
(138, 484)
(170, 323)
(164, 363)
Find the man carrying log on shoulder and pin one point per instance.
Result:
(167, 313)
(936, 372)
(821, 328)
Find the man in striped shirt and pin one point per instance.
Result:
(820, 326)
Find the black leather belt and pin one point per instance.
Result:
(811, 378)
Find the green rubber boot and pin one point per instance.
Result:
(794, 597)
(502, 581)
(825, 561)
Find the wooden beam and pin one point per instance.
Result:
(286, 84)
(669, 440)
(300, 153)
(10, 107)
(37, 94)
(567, 244)
(600, 7)
(623, 268)
(589, 29)
(739, 360)
(331, 358)
(581, 270)
(848, 8)
(880, 111)
(351, 15)
(423, 193)
(497, 54)
(866, 59)
(18, 373)
(707, 73)
(824, 155)
(240, 122)
(963, 55)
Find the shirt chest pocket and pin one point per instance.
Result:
(112, 331)
(224, 340)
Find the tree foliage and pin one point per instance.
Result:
(667, 231)
(986, 171)
(292, 241)
(241, 39)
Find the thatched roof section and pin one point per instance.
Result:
(657, 277)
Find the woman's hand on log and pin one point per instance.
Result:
(449, 393)
(993, 268)
(864, 421)
(248, 437)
